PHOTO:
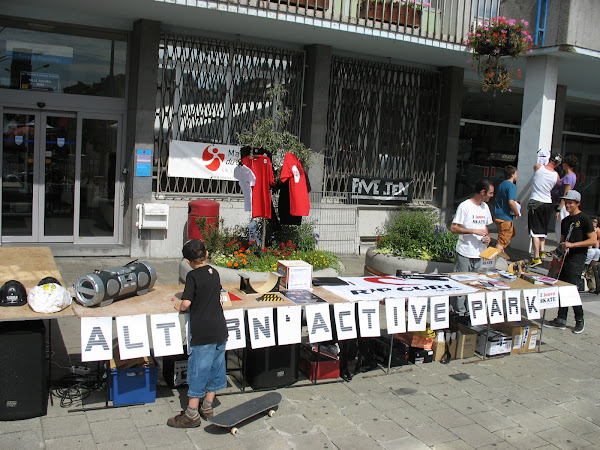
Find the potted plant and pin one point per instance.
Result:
(412, 240)
(400, 12)
(493, 40)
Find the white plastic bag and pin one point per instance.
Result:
(49, 298)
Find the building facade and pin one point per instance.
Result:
(93, 94)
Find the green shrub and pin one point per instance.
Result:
(416, 234)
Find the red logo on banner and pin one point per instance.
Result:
(387, 280)
(214, 157)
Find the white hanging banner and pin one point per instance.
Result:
(188, 333)
(395, 315)
(261, 327)
(495, 306)
(166, 334)
(417, 314)
(96, 339)
(236, 328)
(132, 332)
(569, 296)
(345, 320)
(532, 304)
(318, 322)
(202, 160)
(439, 317)
(368, 319)
(477, 309)
(548, 298)
(289, 325)
(513, 305)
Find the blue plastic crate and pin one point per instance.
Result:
(135, 385)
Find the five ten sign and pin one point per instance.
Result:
(377, 190)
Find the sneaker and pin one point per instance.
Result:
(556, 324)
(182, 420)
(579, 326)
(206, 412)
(543, 255)
(535, 262)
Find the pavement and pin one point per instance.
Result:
(549, 399)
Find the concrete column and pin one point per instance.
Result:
(448, 137)
(537, 127)
(314, 113)
(141, 111)
(559, 119)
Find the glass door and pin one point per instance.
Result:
(59, 177)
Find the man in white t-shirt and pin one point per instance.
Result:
(470, 223)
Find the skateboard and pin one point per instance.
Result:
(238, 414)
(558, 257)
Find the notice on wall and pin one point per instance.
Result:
(381, 190)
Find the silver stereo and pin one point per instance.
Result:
(104, 286)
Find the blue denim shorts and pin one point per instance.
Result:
(206, 369)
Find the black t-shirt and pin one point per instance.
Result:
(582, 225)
(207, 322)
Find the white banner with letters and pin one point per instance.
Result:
(477, 308)
(569, 296)
(417, 314)
(395, 315)
(318, 323)
(439, 312)
(368, 319)
(166, 334)
(513, 305)
(96, 339)
(261, 327)
(289, 325)
(132, 332)
(236, 328)
(531, 301)
(202, 160)
(495, 306)
(345, 320)
(548, 297)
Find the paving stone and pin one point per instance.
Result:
(562, 438)
(527, 381)
(336, 426)
(10, 426)
(521, 438)
(432, 434)
(75, 442)
(492, 420)
(387, 401)
(319, 409)
(482, 393)
(115, 430)
(576, 424)
(22, 439)
(467, 405)
(162, 435)
(291, 425)
(593, 438)
(362, 413)
(546, 408)
(54, 427)
(475, 435)
(449, 419)
(154, 415)
(269, 439)
(453, 445)
(508, 407)
(100, 415)
(383, 430)
(407, 443)
(445, 391)
(498, 446)
(584, 409)
(494, 381)
(358, 442)
(211, 436)
(408, 417)
(310, 441)
(129, 444)
(366, 386)
(533, 423)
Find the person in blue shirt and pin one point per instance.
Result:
(506, 208)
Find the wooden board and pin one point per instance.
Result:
(28, 265)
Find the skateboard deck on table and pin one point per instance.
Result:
(247, 410)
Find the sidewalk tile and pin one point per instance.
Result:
(383, 430)
(576, 424)
(449, 419)
(407, 443)
(521, 438)
(408, 417)
(358, 442)
(432, 434)
(312, 440)
(74, 442)
(268, 439)
(22, 439)
(475, 435)
(492, 421)
(292, 424)
(336, 426)
(54, 427)
(563, 438)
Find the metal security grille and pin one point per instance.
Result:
(382, 122)
(209, 91)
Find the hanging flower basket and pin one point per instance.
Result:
(500, 37)
(493, 40)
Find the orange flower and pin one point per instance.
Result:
(235, 265)
(244, 262)
(229, 264)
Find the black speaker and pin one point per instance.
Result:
(23, 370)
(272, 367)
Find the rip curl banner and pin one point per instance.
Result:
(202, 160)
(376, 288)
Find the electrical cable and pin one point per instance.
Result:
(72, 388)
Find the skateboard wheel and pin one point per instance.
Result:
(271, 413)
(234, 431)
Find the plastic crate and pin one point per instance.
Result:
(133, 385)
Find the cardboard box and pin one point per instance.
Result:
(524, 335)
(439, 348)
(294, 274)
(496, 344)
(464, 344)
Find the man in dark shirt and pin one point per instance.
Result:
(577, 234)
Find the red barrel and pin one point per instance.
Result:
(208, 209)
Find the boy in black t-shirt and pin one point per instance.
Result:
(206, 364)
(578, 234)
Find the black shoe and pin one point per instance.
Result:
(345, 375)
(556, 324)
(579, 326)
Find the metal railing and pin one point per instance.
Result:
(440, 20)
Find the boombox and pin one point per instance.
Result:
(104, 286)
